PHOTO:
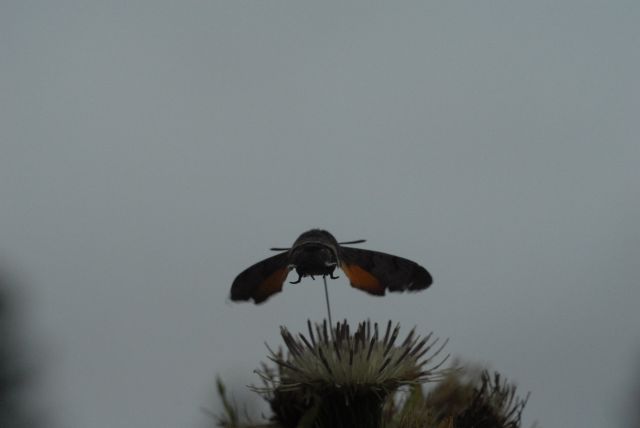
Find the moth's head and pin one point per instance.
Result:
(316, 254)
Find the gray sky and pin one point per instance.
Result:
(151, 150)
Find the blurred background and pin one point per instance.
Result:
(151, 150)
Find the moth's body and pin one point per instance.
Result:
(314, 253)
(317, 253)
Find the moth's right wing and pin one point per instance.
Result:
(262, 280)
(376, 272)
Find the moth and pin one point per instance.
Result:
(317, 253)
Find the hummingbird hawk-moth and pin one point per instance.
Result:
(317, 253)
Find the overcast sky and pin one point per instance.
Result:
(151, 150)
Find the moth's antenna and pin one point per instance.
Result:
(358, 241)
(279, 249)
(326, 295)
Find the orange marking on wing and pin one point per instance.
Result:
(271, 285)
(363, 280)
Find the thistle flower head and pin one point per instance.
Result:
(365, 360)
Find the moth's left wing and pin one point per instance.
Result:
(376, 272)
(263, 279)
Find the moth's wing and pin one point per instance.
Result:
(376, 272)
(260, 281)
